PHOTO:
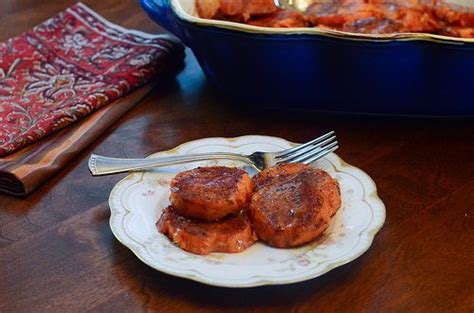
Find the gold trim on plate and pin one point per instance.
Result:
(181, 13)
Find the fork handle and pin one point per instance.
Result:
(102, 165)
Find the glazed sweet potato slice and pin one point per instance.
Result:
(210, 193)
(293, 204)
(231, 235)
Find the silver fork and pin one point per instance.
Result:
(304, 153)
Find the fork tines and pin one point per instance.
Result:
(310, 151)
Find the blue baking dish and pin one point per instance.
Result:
(319, 69)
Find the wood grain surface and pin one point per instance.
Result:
(57, 253)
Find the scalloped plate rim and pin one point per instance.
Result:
(365, 242)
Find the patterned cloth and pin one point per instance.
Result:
(68, 67)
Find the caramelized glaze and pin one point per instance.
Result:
(359, 16)
(293, 204)
(210, 193)
(231, 234)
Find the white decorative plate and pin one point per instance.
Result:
(136, 203)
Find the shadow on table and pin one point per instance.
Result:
(163, 288)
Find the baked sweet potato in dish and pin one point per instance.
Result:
(356, 16)
(235, 9)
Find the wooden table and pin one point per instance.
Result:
(58, 254)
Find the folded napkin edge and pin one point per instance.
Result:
(75, 59)
(124, 29)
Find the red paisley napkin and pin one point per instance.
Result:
(68, 67)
